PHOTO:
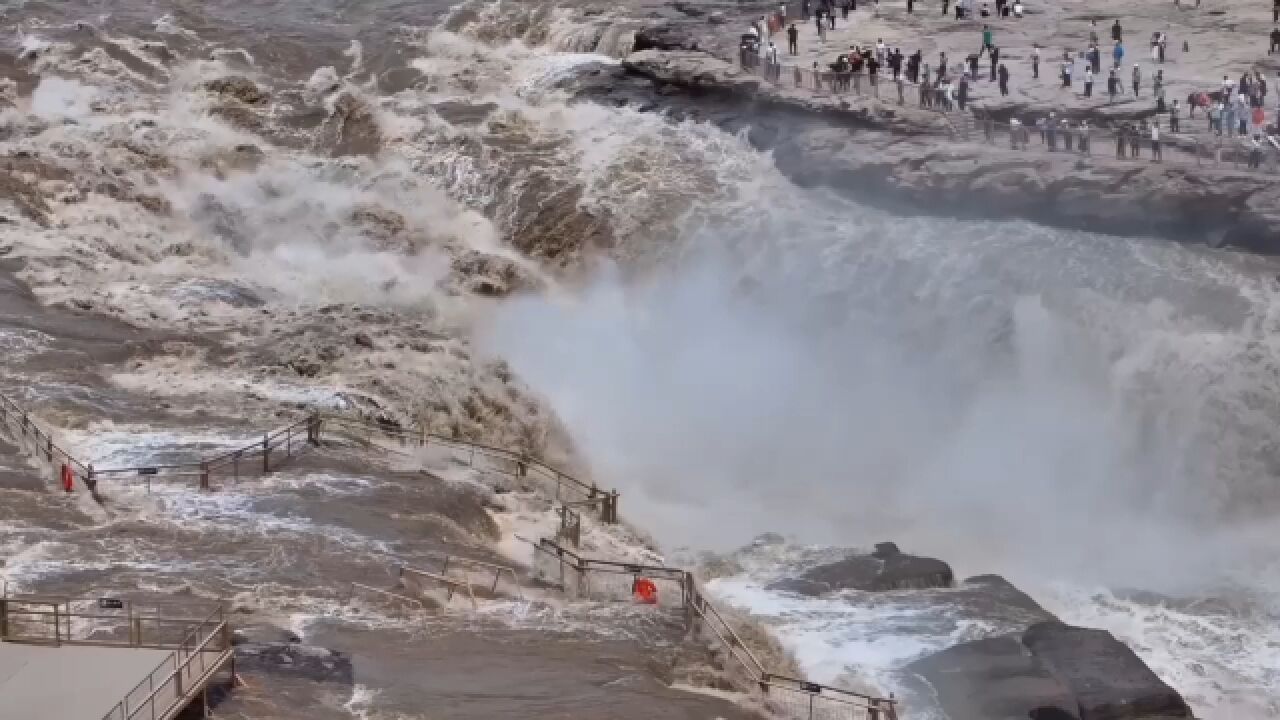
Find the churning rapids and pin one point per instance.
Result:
(1093, 417)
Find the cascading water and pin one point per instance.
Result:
(1084, 414)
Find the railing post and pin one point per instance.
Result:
(204, 476)
(266, 452)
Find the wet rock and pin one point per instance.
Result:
(995, 679)
(351, 129)
(301, 661)
(1107, 679)
(263, 634)
(664, 37)
(239, 88)
(491, 275)
(887, 570)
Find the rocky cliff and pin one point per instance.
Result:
(910, 158)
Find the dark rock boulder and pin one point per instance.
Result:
(262, 634)
(238, 87)
(664, 37)
(307, 662)
(995, 679)
(886, 569)
(1108, 679)
(1052, 671)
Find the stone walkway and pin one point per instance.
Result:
(1224, 37)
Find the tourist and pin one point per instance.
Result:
(945, 5)
(1137, 79)
(1275, 11)
(817, 77)
(985, 11)
(1117, 54)
(1255, 152)
(986, 40)
(1136, 138)
(1084, 137)
(1164, 43)
(1155, 47)
(1160, 106)
(1174, 120)
(831, 19)
(1113, 84)
(910, 6)
(1156, 156)
(1094, 58)
(1088, 81)
(1004, 80)
(1035, 62)
(799, 76)
(804, 10)
(1093, 32)
(1066, 135)
(1066, 70)
(1275, 40)
(1117, 33)
(873, 67)
(989, 128)
(844, 10)
(793, 39)
(962, 95)
(1017, 9)
(995, 61)
(1051, 132)
(1015, 133)
(1213, 113)
(1120, 142)
(822, 27)
(902, 86)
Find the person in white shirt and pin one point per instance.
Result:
(1155, 142)
(1088, 80)
(1017, 8)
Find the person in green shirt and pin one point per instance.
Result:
(986, 40)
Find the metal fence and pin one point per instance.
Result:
(971, 123)
(566, 488)
(787, 697)
(201, 646)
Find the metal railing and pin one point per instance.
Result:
(275, 448)
(567, 488)
(787, 696)
(167, 689)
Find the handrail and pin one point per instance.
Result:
(385, 593)
(720, 628)
(451, 584)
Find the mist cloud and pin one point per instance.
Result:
(723, 408)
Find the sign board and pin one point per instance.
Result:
(811, 687)
(110, 604)
(147, 471)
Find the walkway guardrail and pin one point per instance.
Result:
(793, 698)
(567, 488)
(201, 646)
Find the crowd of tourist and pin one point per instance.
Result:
(1237, 108)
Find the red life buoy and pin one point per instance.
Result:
(646, 592)
(68, 478)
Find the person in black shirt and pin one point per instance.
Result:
(1003, 74)
(1275, 40)
(793, 35)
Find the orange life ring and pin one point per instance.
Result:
(646, 591)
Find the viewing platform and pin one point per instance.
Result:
(105, 659)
